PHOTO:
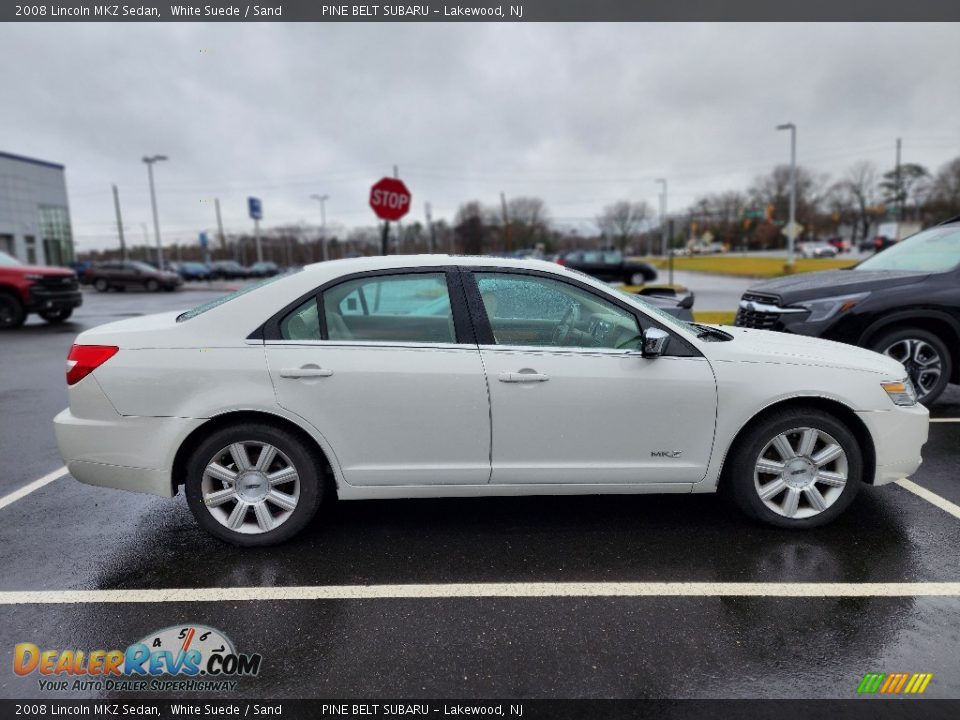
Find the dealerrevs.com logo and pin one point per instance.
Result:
(178, 658)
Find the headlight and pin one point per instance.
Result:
(901, 393)
(826, 308)
(32, 276)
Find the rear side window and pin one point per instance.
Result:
(391, 308)
(303, 323)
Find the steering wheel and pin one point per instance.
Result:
(570, 318)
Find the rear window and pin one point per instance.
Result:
(201, 309)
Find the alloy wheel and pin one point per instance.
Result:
(922, 361)
(801, 472)
(250, 487)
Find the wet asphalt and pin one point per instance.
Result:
(71, 536)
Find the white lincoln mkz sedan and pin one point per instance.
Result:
(436, 376)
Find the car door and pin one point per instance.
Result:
(572, 400)
(384, 365)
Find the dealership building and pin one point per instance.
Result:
(34, 213)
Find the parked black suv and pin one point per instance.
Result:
(609, 266)
(903, 302)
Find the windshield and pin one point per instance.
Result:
(933, 250)
(9, 260)
(201, 309)
(143, 267)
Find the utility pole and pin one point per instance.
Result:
(507, 238)
(793, 191)
(150, 160)
(431, 233)
(900, 193)
(220, 235)
(116, 206)
(663, 216)
(322, 199)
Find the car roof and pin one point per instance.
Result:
(386, 262)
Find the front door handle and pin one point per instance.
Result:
(523, 377)
(305, 372)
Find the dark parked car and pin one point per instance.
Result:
(228, 270)
(121, 275)
(263, 269)
(903, 302)
(608, 266)
(191, 270)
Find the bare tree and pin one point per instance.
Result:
(527, 218)
(909, 184)
(471, 227)
(944, 199)
(855, 195)
(622, 220)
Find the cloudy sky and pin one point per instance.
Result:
(580, 115)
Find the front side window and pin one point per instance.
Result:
(391, 308)
(542, 312)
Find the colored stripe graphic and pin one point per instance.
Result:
(894, 683)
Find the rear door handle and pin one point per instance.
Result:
(523, 377)
(305, 372)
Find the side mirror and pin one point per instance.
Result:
(655, 342)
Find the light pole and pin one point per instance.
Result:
(792, 227)
(322, 199)
(153, 201)
(663, 215)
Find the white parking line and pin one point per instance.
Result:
(30, 487)
(930, 497)
(486, 590)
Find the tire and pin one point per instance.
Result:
(246, 506)
(638, 278)
(12, 312)
(802, 477)
(56, 315)
(101, 285)
(152, 285)
(916, 348)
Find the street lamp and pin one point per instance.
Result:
(323, 223)
(792, 227)
(663, 215)
(150, 160)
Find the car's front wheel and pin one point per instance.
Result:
(795, 468)
(56, 315)
(253, 485)
(925, 357)
(152, 285)
(101, 285)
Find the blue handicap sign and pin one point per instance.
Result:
(255, 207)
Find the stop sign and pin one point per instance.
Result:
(390, 199)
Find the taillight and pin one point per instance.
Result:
(84, 359)
(561, 261)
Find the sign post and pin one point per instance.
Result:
(390, 200)
(255, 208)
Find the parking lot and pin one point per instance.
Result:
(624, 596)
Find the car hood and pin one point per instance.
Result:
(40, 270)
(806, 286)
(750, 345)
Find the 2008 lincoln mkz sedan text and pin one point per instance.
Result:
(432, 376)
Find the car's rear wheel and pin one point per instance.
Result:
(924, 355)
(638, 278)
(101, 285)
(12, 313)
(796, 468)
(56, 315)
(253, 485)
(152, 285)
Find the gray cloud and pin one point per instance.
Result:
(580, 115)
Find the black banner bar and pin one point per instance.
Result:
(480, 11)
